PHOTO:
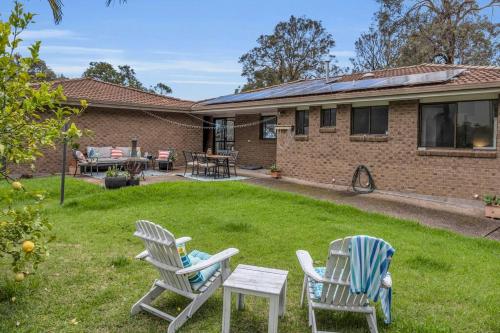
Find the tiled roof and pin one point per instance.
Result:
(100, 92)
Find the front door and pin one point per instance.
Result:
(224, 134)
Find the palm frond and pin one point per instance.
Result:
(56, 6)
(109, 2)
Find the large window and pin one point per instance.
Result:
(302, 122)
(458, 125)
(328, 117)
(267, 129)
(369, 120)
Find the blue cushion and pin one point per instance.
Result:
(317, 286)
(195, 257)
(186, 262)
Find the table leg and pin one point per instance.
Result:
(241, 302)
(226, 311)
(273, 314)
(283, 301)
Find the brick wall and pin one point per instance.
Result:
(116, 127)
(253, 150)
(395, 164)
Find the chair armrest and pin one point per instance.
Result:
(216, 258)
(306, 263)
(142, 255)
(182, 240)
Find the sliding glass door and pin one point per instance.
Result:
(224, 134)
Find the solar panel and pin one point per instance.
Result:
(322, 86)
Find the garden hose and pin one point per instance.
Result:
(357, 186)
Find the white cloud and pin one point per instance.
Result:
(70, 70)
(206, 82)
(47, 33)
(185, 65)
(343, 53)
(79, 50)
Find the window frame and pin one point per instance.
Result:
(263, 123)
(370, 110)
(321, 117)
(303, 131)
(495, 124)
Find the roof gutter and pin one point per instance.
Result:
(376, 96)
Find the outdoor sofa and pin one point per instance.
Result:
(101, 158)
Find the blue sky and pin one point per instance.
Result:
(192, 45)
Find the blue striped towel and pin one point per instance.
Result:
(369, 265)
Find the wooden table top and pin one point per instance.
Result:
(260, 279)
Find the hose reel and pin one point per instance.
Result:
(362, 180)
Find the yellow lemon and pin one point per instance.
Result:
(17, 186)
(28, 246)
(19, 277)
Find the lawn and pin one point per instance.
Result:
(443, 282)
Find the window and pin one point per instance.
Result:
(369, 120)
(267, 128)
(301, 122)
(328, 117)
(458, 125)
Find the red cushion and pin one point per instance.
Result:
(116, 153)
(163, 154)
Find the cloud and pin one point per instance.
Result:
(206, 82)
(186, 65)
(47, 33)
(70, 70)
(344, 53)
(79, 50)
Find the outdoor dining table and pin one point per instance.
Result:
(221, 158)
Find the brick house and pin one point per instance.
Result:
(428, 129)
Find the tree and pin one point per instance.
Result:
(162, 89)
(125, 75)
(31, 118)
(443, 31)
(296, 50)
(41, 72)
(57, 5)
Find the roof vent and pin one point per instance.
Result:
(367, 75)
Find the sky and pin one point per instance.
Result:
(191, 45)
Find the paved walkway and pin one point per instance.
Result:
(465, 224)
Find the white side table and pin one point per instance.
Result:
(257, 281)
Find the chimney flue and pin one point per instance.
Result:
(327, 70)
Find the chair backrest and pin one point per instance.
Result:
(163, 254)
(188, 156)
(201, 157)
(338, 268)
(234, 156)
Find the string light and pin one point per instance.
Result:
(212, 125)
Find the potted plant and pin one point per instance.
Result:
(275, 171)
(115, 178)
(492, 206)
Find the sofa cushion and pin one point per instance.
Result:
(163, 155)
(116, 153)
(101, 152)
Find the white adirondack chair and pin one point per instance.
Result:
(161, 252)
(335, 294)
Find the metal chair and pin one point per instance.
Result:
(190, 160)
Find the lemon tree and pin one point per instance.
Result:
(32, 117)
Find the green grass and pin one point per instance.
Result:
(443, 282)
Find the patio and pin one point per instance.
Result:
(95, 227)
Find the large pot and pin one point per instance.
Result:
(115, 182)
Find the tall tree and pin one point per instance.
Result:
(41, 72)
(57, 5)
(125, 75)
(296, 50)
(443, 31)
(162, 89)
